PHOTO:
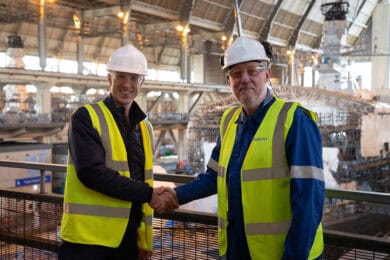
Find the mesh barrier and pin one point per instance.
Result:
(29, 229)
(184, 240)
(345, 253)
(29, 225)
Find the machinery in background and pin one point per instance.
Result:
(333, 69)
(342, 120)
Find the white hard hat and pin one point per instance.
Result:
(128, 59)
(243, 49)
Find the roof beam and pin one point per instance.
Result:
(357, 13)
(145, 8)
(266, 28)
(99, 47)
(186, 10)
(160, 54)
(230, 21)
(294, 37)
(100, 12)
(175, 16)
(207, 24)
(62, 38)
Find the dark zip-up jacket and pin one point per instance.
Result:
(88, 156)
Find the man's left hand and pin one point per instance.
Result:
(144, 254)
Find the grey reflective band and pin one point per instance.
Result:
(148, 174)
(150, 130)
(117, 165)
(105, 137)
(267, 228)
(221, 223)
(307, 172)
(148, 220)
(221, 172)
(278, 148)
(213, 165)
(278, 170)
(265, 174)
(227, 120)
(93, 210)
(104, 132)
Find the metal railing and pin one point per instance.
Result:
(29, 224)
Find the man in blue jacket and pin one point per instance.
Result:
(266, 168)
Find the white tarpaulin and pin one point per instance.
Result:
(375, 132)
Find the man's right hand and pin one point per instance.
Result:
(164, 199)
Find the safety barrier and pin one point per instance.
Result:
(29, 224)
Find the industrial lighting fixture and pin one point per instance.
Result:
(290, 52)
(120, 14)
(181, 28)
(76, 21)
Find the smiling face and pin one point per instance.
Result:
(248, 82)
(124, 87)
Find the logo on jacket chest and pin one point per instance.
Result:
(257, 139)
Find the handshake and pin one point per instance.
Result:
(164, 199)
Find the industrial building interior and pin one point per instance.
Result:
(332, 56)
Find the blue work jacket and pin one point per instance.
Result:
(303, 147)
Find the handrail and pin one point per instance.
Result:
(180, 178)
(366, 196)
(373, 197)
(331, 237)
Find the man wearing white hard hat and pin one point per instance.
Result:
(108, 191)
(266, 168)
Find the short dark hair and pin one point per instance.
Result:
(268, 50)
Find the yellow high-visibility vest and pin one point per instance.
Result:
(265, 183)
(93, 218)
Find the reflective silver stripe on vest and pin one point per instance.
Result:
(307, 172)
(93, 210)
(148, 220)
(221, 223)
(221, 172)
(150, 130)
(227, 120)
(278, 170)
(70, 161)
(148, 174)
(213, 165)
(267, 228)
(115, 165)
(265, 174)
(278, 147)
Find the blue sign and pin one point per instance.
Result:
(31, 181)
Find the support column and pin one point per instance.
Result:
(142, 100)
(43, 105)
(42, 34)
(183, 102)
(183, 107)
(126, 9)
(184, 54)
(302, 76)
(381, 46)
(80, 46)
(291, 67)
(181, 146)
(197, 66)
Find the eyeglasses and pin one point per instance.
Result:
(121, 77)
(252, 71)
